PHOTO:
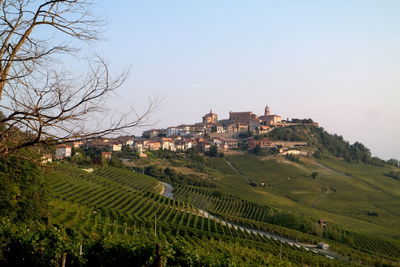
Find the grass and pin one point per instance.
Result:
(114, 201)
(352, 190)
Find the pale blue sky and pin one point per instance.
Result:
(337, 62)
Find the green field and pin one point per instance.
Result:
(117, 202)
(343, 194)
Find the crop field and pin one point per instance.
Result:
(228, 205)
(94, 205)
(107, 223)
(131, 179)
(260, 217)
(345, 196)
(107, 197)
(119, 202)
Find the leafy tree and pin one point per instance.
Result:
(317, 154)
(115, 162)
(332, 143)
(394, 174)
(245, 134)
(314, 174)
(377, 162)
(23, 197)
(302, 121)
(256, 150)
(42, 247)
(213, 151)
(193, 154)
(292, 158)
(393, 162)
(170, 172)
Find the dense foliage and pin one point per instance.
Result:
(394, 175)
(332, 143)
(260, 151)
(23, 197)
(302, 121)
(172, 176)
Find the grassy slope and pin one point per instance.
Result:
(107, 202)
(335, 195)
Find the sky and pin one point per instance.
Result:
(337, 62)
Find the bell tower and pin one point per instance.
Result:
(266, 111)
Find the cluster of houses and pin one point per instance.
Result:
(225, 134)
(237, 122)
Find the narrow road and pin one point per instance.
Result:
(235, 170)
(331, 170)
(167, 192)
(324, 194)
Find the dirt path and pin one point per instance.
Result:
(331, 170)
(235, 170)
(167, 192)
(324, 194)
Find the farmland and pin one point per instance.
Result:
(95, 206)
(117, 202)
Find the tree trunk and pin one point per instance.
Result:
(157, 260)
(63, 259)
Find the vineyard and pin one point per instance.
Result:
(221, 204)
(258, 216)
(107, 203)
(101, 212)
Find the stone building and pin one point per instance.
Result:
(242, 117)
(210, 118)
(252, 143)
(63, 151)
(153, 133)
(237, 127)
(269, 119)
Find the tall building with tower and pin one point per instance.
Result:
(210, 118)
(269, 119)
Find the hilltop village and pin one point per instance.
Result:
(225, 134)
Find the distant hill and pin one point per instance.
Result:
(271, 194)
(242, 209)
(326, 142)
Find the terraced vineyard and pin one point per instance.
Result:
(102, 222)
(227, 204)
(107, 203)
(132, 179)
(260, 217)
(139, 206)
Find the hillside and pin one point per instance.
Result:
(355, 196)
(108, 204)
(225, 163)
(241, 209)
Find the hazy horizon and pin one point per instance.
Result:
(335, 62)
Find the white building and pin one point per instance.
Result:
(116, 147)
(139, 147)
(172, 131)
(167, 144)
(63, 151)
(129, 142)
(46, 158)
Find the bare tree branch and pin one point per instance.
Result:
(42, 104)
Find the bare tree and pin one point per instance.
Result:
(42, 104)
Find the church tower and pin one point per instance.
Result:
(266, 111)
(210, 118)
